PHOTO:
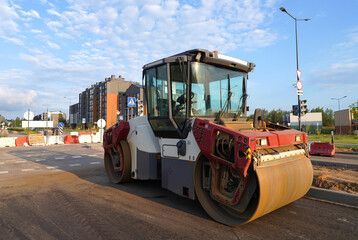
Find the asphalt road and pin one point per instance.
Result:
(340, 159)
(61, 192)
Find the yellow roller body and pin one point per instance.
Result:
(281, 183)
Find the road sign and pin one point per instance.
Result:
(61, 124)
(299, 92)
(299, 74)
(83, 120)
(28, 115)
(101, 123)
(299, 85)
(131, 102)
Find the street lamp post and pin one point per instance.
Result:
(339, 108)
(299, 98)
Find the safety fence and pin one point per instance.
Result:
(40, 139)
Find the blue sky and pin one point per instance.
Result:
(51, 49)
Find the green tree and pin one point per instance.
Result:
(61, 119)
(354, 107)
(275, 116)
(17, 122)
(327, 116)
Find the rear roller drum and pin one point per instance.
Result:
(118, 163)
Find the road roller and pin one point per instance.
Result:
(196, 140)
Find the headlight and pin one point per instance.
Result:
(261, 141)
(298, 138)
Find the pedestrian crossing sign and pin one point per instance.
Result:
(131, 102)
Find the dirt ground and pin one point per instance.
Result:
(347, 149)
(335, 178)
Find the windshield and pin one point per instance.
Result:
(210, 86)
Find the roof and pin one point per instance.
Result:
(203, 55)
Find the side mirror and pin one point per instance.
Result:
(257, 118)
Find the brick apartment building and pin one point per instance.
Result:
(101, 100)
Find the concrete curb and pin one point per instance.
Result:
(333, 196)
(335, 164)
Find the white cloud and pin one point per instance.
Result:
(104, 37)
(52, 45)
(30, 14)
(8, 16)
(338, 75)
(36, 31)
(13, 40)
(13, 96)
(54, 25)
(53, 12)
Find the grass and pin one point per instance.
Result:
(337, 138)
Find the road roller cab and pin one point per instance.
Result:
(196, 139)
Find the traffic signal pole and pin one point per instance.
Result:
(299, 98)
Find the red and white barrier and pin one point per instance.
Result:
(323, 148)
(20, 141)
(71, 139)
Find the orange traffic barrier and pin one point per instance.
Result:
(323, 148)
(71, 139)
(85, 133)
(19, 141)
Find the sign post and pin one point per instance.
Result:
(28, 116)
(131, 103)
(61, 127)
(101, 123)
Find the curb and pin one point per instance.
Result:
(335, 164)
(333, 196)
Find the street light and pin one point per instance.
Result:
(69, 113)
(299, 98)
(339, 108)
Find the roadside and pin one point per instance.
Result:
(336, 178)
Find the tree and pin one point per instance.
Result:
(61, 119)
(275, 116)
(17, 122)
(327, 116)
(354, 107)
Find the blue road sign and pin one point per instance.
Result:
(61, 124)
(131, 102)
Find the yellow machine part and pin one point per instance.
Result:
(281, 183)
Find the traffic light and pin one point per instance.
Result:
(295, 110)
(140, 107)
(304, 109)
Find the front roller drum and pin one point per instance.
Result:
(118, 163)
(279, 183)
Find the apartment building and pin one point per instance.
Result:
(101, 100)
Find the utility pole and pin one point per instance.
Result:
(298, 79)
